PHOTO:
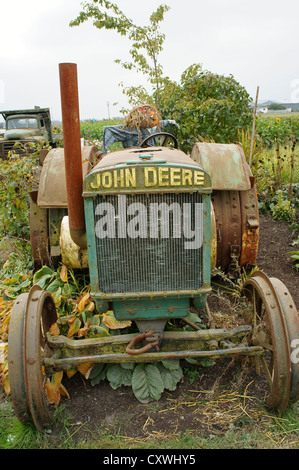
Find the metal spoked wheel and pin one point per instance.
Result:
(269, 331)
(31, 318)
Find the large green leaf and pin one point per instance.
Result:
(170, 378)
(147, 383)
(118, 376)
(98, 373)
(55, 285)
(171, 364)
(44, 271)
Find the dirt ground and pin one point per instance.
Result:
(208, 400)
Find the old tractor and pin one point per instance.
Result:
(149, 223)
(25, 126)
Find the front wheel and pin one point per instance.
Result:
(269, 331)
(32, 315)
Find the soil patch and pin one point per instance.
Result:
(273, 258)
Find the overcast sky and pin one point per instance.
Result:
(256, 41)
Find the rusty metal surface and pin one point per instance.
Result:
(143, 336)
(291, 317)
(32, 316)
(213, 239)
(72, 151)
(228, 228)
(237, 228)
(122, 156)
(52, 185)
(225, 163)
(39, 235)
(40, 314)
(16, 358)
(269, 331)
(250, 226)
(69, 352)
(68, 363)
(235, 204)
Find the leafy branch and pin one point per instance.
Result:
(147, 41)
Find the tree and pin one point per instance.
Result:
(147, 41)
(276, 107)
(207, 106)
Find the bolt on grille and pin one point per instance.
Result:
(148, 254)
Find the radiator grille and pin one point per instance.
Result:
(148, 264)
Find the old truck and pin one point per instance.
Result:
(149, 223)
(24, 126)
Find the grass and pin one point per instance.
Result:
(292, 115)
(243, 423)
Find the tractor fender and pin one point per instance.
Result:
(225, 163)
(52, 184)
(235, 203)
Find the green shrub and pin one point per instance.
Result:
(16, 176)
(282, 208)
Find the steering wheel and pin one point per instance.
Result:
(165, 137)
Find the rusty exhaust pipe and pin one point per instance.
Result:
(72, 151)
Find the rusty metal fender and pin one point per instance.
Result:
(52, 185)
(225, 163)
(235, 204)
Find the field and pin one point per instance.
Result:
(219, 406)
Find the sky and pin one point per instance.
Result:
(256, 41)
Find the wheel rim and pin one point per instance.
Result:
(291, 317)
(16, 365)
(34, 314)
(269, 331)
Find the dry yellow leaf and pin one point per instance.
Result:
(85, 368)
(71, 372)
(63, 391)
(53, 388)
(6, 386)
(63, 273)
(84, 331)
(57, 378)
(74, 327)
(54, 330)
(53, 395)
(109, 320)
(90, 306)
(82, 302)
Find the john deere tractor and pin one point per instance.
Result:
(149, 223)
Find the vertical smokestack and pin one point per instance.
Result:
(72, 151)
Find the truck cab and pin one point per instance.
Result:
(24, 126)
